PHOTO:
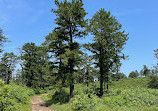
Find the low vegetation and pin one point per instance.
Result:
(125, 95)
(15, 97)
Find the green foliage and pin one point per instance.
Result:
(13, 97)
(145, 71)
(7, 66)
(30, 64)
(57, 96)
(118, 76)
(85, 71)
(153, 83)
(71, 24)
(35, 65)
(38, 90)
(71, 14)
(134, 74)
(108, 43)
(57, 47)
(58, 106)
(125, 95)
(141, 82)
(83, 102)
(2, 40)
(116, 99)
(156, 66)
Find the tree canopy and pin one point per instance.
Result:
(134, 74)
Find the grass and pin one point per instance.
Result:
(59, 100)
(57, 106)
(130, 94)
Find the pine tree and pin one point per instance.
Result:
(108, 43)
(30, 64)
(145, 71)
(57, 47)
(71, 22)
(35, 65)
(43, 66)
(7, 66)
(133, 74)
(2, 40)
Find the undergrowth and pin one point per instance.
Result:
(124, 95)
(14, 97)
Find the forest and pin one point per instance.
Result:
(72, 75)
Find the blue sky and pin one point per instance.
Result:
(30, 20)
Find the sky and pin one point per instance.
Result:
(24, 21)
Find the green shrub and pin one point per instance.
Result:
(12, 97)
(84, 102)
(153, 83)
(39, 91)
(60, 96)
(130, 94)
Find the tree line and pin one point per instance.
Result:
(144, 72)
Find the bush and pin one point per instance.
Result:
(39, 91)
(60, 96)
(153, 83)
(84, 102)
(130, 94)
(13, 97)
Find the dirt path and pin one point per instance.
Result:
(39, 105)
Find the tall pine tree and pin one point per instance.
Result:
(108, 43)
(71, 22)
(35, 65)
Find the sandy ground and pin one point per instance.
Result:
(39, 105)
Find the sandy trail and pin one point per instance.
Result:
(39, 105)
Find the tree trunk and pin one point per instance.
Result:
(104, 85)
(71, 90)
(107, 79)
(71, 63)
(71, 78)
(8, 77)
(101, 73)
(22, 76)
(101, 82)
(87, 78)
